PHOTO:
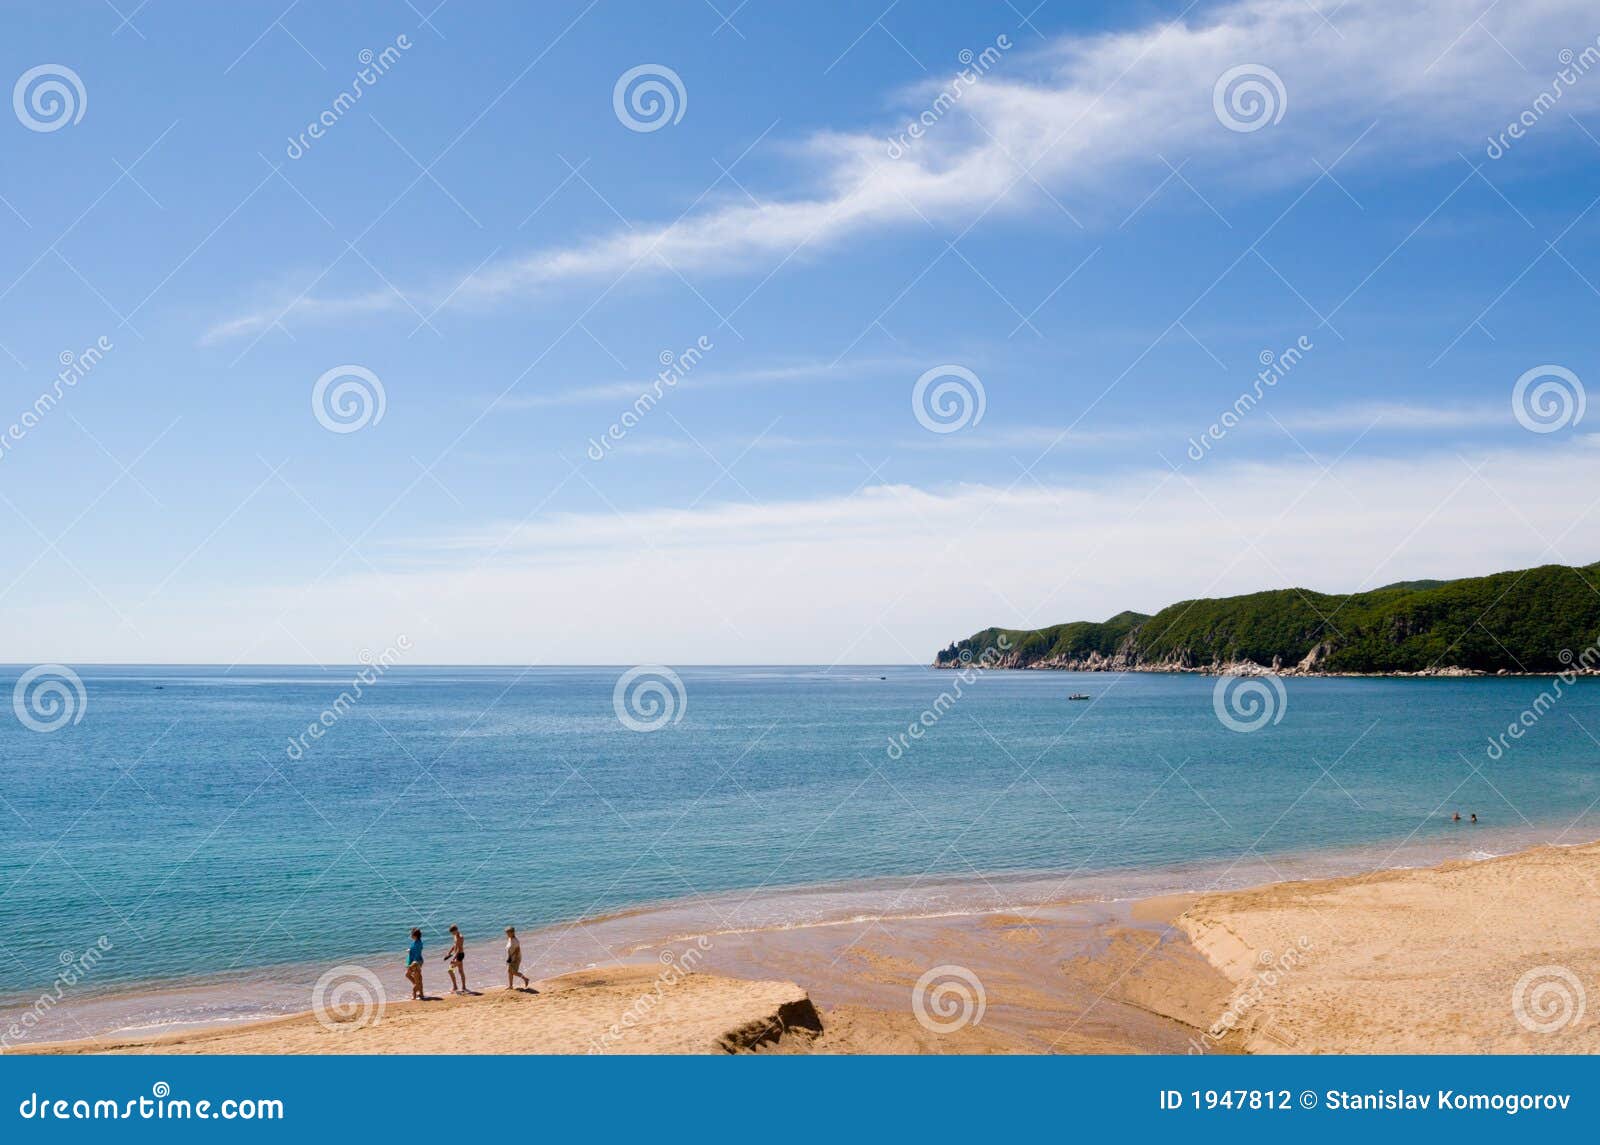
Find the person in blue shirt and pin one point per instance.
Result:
(414, 965)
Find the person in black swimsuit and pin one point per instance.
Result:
(455, 961)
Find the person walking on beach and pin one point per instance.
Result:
(414, 965)
(455, 961)
(514, 960)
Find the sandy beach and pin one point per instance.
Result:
(1466, 957)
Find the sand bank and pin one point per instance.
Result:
(1466, 957)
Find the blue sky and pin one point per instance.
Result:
(1079, 228)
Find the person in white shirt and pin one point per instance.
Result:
(514, 960)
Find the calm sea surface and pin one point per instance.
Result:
(176, 821)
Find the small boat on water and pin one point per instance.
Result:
(1078, 696)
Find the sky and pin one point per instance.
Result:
(976, 313)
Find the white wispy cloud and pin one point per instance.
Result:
(1073, 121)
(889, 573)
(1371, 418)
(1388, 417)
(795, 373)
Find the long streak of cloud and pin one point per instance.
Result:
(1071, 122)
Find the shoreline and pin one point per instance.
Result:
(1152, 972)
(742, 994)
(1250, 668)
(230, 999)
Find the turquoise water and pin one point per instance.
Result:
(175, 821)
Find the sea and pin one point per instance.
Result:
(218, 837)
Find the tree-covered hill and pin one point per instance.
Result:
(1533, 620)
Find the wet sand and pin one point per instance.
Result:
(1066, 978)
(1063, 978)
(1487, 956)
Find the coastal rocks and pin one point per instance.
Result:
(1182, 663)
(1242, 668)
(1314, 657)
(796, 1017)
